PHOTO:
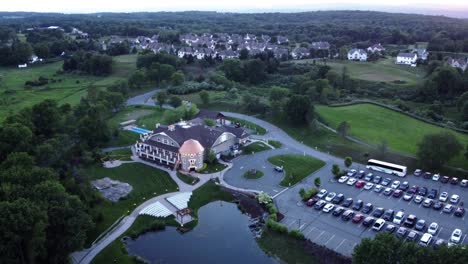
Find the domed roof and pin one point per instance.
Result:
(191, 146)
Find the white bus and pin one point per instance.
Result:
(386, 167)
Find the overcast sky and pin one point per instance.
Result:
(87, 6)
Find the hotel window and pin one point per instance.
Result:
(159, 140)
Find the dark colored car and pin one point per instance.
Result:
(422, 191)
(368, 221)
(432, 194)
(358, 205)
(386, 181)
(320, 204)
(444, 179)
(347, 215)
(338, 199)
(369, 176)
(438, 206)
(427, 175)
(338, 211)
(388, 215)
(414, 189)
(312, 201)
(357, 218)
(420, 225)
(401, 232)
(404, 186)
(397, 193)
(412, 236)
(410, 221)
(454, 181)
(378, 212)
(348, 202)
(377, 179)
(459, 212)
(367, 208)
(360, 174)
(360, 184)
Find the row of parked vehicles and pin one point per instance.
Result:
(438, 177)
(419, 195)
(377, 218)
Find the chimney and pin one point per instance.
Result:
(171, 128)
(157, 125)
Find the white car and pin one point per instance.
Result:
(378, 224)
(433, 228)
(351, 173)
(443, 196)
(322, 193)
(330, 196)
(456, 236)
(368, 186)
(398, 219)
(378, 188)
(343, 179)
(425, 240)
(454, 198)
(395, 185)
(436, 177)
(351, 181)
(418, 199)
(328, 208)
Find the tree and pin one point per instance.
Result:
(464, 111)
(348, 161)
(466, 152)
(161, 97)
(177, 78)
(42, 50)
(254, 71)
(435, 150)
(175, 101)
(233, 70)
(277, 94)
(336, 170)
(243, 54)
(317, 182)
(343, 128)
(211, 157)
(204, 97)
(298, 108)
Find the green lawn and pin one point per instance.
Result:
(275, 143)
(120, 154)
(383, 70)
(256, 128)
(296, 167)
(255, 147)
(212, 168)
(64, 88)
(374, 124)
(187, 178)
(146, 181)
(252, 176)
(288, 249)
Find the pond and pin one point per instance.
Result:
(221, 236)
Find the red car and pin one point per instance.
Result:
(312, 201)
(414, 189)
(397, 193)
(360, 184)
(358, 218)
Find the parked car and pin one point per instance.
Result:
(351, 181)
(338, 211)
(388, 191)
(456, 236)
(312, 201)
(397, 193)
(445, 179)
(417, 172)
(358, 205)
(418, 199)
(367, 208)
(328, 208)
(330, 196)
(322, 193)
(464, 183)
(427, 175)
(422, 191)
(360, 174)
(369, 176)
(439, 242)
(360, 184)
(401, 232)
(378, 188)
(388, 215)
(343, 179)
(454, 198)
(351, 173)
(320, 204)
(378, 212)
(357, 218)
(404, 186)
(459, 212)
(347, 215)
(436, 177)
(412, 236)
(368, 221)
(448, 208)
(428, 203)
(338, 199)
(454, 180)
(432, 194)
(410, 220)
(413, 190)
(407, 196)
(279, 169)
(443, 197)
(348, 202)
(425, 240)
(395, 184)
(438, 206)
(399, 217)
(390, 228)
(420, 225)
(433, 228)
(377, 179)
(386, 181)
(368, 186)
(379, 223)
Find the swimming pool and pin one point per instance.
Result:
(139, 130)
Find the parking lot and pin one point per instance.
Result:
(328, 230)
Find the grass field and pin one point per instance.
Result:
(120, 154)
(275, 143)
(187, 178)
(384, 70)
(256, 128)
(374, 124)
(255, 147)
(66, 88)
(296, 167)
(146, 181)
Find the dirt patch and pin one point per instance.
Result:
(111, 189)
(247, 203)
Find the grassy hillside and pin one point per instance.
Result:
(65, 88)
(374, 124)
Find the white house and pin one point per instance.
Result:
(376, 48)
(185, 51)
(300, 53)
(422, 53)
(458, 63)
(407, 59)
(357, 55)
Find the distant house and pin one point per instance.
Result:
(281, 40)
(321, 45)
(22, 65)
(422, 53)
(185, 51)
(281, 53)
(202, 52)
(376, 48)
(407, 59)
(458, 63)
(228, 54)
(300, 53)
(357, 55)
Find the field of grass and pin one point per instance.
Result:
(296, 167)
(288, 249)
(374, 124)
(255, 147)
(120, 154)
(256, 128)
(65, 88)
(146, 181)
(187, 178)
(213, 167)
(384, 70)
(275, 143)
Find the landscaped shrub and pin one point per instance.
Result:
(297, 234)
(306, 195)
(264, 198)
(317, 182)
(277, 227)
